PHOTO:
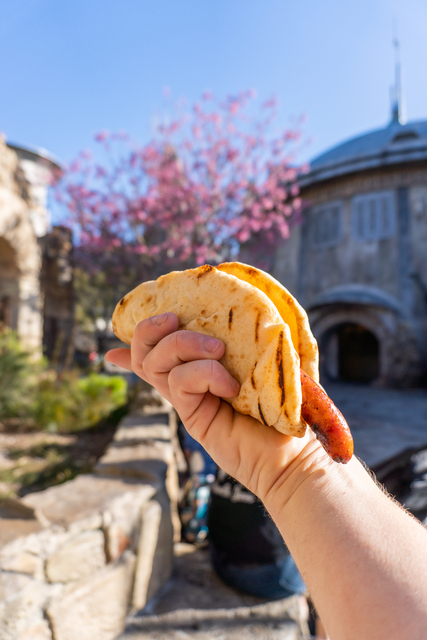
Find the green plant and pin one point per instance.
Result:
(19, 372)
(102, 394)
(68, 402)
(50, 400)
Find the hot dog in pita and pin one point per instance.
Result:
(270, 349)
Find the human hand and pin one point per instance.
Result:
(184, 367)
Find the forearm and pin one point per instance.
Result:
(362, 557)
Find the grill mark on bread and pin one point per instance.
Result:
(252, 376)
(279, 362)
(204, 270)
(257, 321)
(230, 318)
(261, 415)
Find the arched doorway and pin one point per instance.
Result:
(351, 353)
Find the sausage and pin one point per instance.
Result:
(325, 420)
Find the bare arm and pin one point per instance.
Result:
(362, 557)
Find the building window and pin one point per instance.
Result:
(373, 216)
(325, 225)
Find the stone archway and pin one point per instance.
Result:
(373, 328)
(351, 353)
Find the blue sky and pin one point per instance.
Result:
(72, 68)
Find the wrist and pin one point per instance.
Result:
(309, 469)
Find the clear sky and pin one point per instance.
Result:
(70, 68)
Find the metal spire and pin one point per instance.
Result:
(397, 110)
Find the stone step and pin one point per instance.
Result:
(197, 605)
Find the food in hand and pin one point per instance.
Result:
(267, 340)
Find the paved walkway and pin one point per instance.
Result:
(384, 422)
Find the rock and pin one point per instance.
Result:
(81, 555)
(134, 430)
(41, 544)
(136, 460)
(14, 508)
(11, 528)
(122, 524)
(95, 607)
(21, 609)
(36, 630)
(24, 562)
(83, 497)
(155, 551)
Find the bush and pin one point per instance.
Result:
(19, 374)
(102, 394)
(53, 401)
(69, 402)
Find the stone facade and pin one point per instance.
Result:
(20, 255)
(358, 265)
(36, 288)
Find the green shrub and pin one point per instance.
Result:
(53, 401)
(102, 394)
(69, 402)
(19, 374)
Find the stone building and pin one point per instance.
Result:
(28, 290)
(358, 262)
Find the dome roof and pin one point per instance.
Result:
(395, 144)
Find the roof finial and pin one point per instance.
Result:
(397, 109)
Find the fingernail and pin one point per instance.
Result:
(210, 344)
(159, 320)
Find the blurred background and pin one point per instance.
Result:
(140, 137)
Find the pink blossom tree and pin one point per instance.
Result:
(212, 180)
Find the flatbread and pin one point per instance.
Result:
(260, 350)
(291, 311)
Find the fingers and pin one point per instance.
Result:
(158, 348)
(152, 330)
(146, 336)
(196, 388)
(119, 357)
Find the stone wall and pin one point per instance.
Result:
(76, 558)
(20, 264)
(377, 282)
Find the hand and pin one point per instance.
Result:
(184, 367)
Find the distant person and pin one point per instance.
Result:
(246, 547)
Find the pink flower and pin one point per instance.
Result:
(102, 136)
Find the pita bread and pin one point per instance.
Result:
(260, 345)
(291, 311)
